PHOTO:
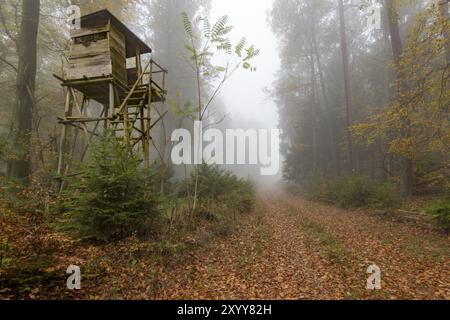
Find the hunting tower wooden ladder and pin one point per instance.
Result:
(97, 70)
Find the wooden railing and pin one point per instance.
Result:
(138, 82)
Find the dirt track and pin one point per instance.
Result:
(295, 249)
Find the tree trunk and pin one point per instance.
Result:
(331, 119)
(313, 96)
(348, 92)
(397, 50)
(26, 78)
(444, 16)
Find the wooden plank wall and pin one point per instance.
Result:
(102, 57)
(118, 54)
(93, 60)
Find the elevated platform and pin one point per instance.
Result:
(98, 89)
(98, 67)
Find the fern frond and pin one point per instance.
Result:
(187, 25)
(241, 46)
(207, 29)
(225, 46)
(219, 27)
(224, 31)
(251, 53)
(218, 40)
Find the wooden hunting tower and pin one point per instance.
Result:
(97, 70)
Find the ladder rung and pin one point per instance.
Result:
(136, 106)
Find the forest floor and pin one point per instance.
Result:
(289, 248)
(295, 249)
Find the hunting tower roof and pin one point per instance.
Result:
(102, 17)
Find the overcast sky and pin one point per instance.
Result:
(244, 94)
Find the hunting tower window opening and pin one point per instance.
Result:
(88, 39)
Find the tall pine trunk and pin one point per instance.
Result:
(20, 167)
(313, 114)
(330, 116)
(348, 92)
(402, 86)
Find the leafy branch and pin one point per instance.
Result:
(206, 42)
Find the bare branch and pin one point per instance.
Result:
(9, 64)
(3, 22)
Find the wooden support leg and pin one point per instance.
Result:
(63, 142)
(93, 133)
(144, 139)
(148, 136)
(82, 126)
(111, 106)
(138, 64)
(80, 110)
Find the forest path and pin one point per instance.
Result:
(296, 249)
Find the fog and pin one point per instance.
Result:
(200, 149)
(312, 81)
(245, 96)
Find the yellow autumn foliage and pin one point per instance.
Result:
(416, 125)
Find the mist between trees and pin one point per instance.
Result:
(363, 122)
(354, 99)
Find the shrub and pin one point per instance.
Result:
(318, 189)
(386, 195)
(353, 191)
(3, 142)
(220, 192)
(31, 199)
(440, 211)
(112, 199)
